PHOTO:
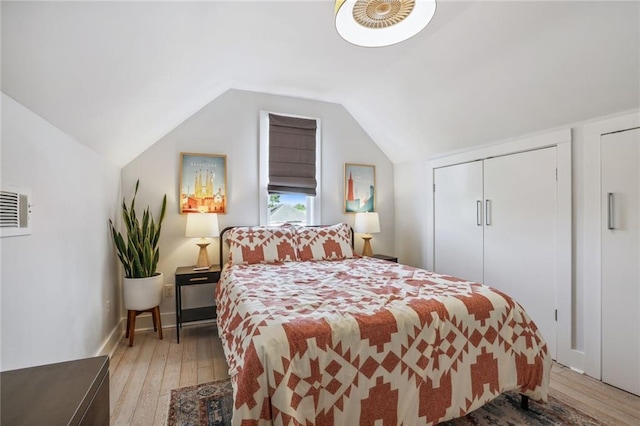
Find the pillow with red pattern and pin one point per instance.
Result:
(324, 242)
(258, 244)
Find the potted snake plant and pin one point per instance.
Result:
(139, 254)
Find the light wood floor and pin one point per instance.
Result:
(142, 378)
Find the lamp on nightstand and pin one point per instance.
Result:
(367, 224)
(202, 225)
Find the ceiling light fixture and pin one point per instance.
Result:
(376, 23)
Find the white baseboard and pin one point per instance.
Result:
(144, 322)
(110, 344)
(577, 361)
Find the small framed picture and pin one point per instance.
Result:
(203, 183)
(359, 188)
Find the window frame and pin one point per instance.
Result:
(314, 208)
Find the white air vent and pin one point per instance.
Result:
(15, 212)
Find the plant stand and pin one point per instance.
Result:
(131, 322)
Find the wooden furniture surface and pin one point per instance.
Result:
(66, 393)
(385, 257)
(185, 277)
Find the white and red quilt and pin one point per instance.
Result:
(364, 341)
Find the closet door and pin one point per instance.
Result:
(520, 233)
(620, 156)
(458, 221)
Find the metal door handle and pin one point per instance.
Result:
(479, 212)
(487, 212)
(610, 211)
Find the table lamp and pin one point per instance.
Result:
(367, 224)
(202, 225)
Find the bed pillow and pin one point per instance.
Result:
(324, 242)
(257, 244)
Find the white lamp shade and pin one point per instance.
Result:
(367, 223)
(202, 225)
(392, 21)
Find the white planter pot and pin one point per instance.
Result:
(141, 294)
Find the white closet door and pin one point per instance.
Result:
(520, 233)
(620, 156)
(458, 221)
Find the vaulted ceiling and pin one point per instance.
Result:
(119, 75)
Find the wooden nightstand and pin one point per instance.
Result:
(186, 276)
(385, 257)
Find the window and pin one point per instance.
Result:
(288, 208)
(278, 208)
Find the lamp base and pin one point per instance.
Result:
(203, 256)
(366, 248)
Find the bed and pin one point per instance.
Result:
(314, 334)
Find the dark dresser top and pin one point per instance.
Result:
(50, 394)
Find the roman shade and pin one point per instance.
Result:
(292, 155)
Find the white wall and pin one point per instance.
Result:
(56, 281)
(412, 201)
(230, 125)
(409, 180)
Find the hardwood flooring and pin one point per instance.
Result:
(142, 378)
(610, 405)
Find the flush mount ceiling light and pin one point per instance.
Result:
(376, 23)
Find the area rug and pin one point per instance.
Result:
(211, 404)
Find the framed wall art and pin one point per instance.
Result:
(359, 188)
(203, 183)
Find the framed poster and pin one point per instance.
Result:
(203, 183)
(359, 188)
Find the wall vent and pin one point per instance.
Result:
(15, 212)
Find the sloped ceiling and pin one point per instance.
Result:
(119, 75)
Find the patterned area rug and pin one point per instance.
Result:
(211, 404)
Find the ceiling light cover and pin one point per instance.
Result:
(376, 23)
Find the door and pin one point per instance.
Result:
(620, 156)
(520, 233)
(458, 221)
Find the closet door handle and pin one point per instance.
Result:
(487, 212)
(479, 212)
(610, 211)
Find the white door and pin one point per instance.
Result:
(458, 221)
(620, 156)
(520, 233)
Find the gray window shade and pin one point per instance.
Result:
(292, 155)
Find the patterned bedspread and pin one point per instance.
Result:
(364, 341)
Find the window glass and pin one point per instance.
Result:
(288, 208)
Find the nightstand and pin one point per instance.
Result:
(186, 276)
(385, 257)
